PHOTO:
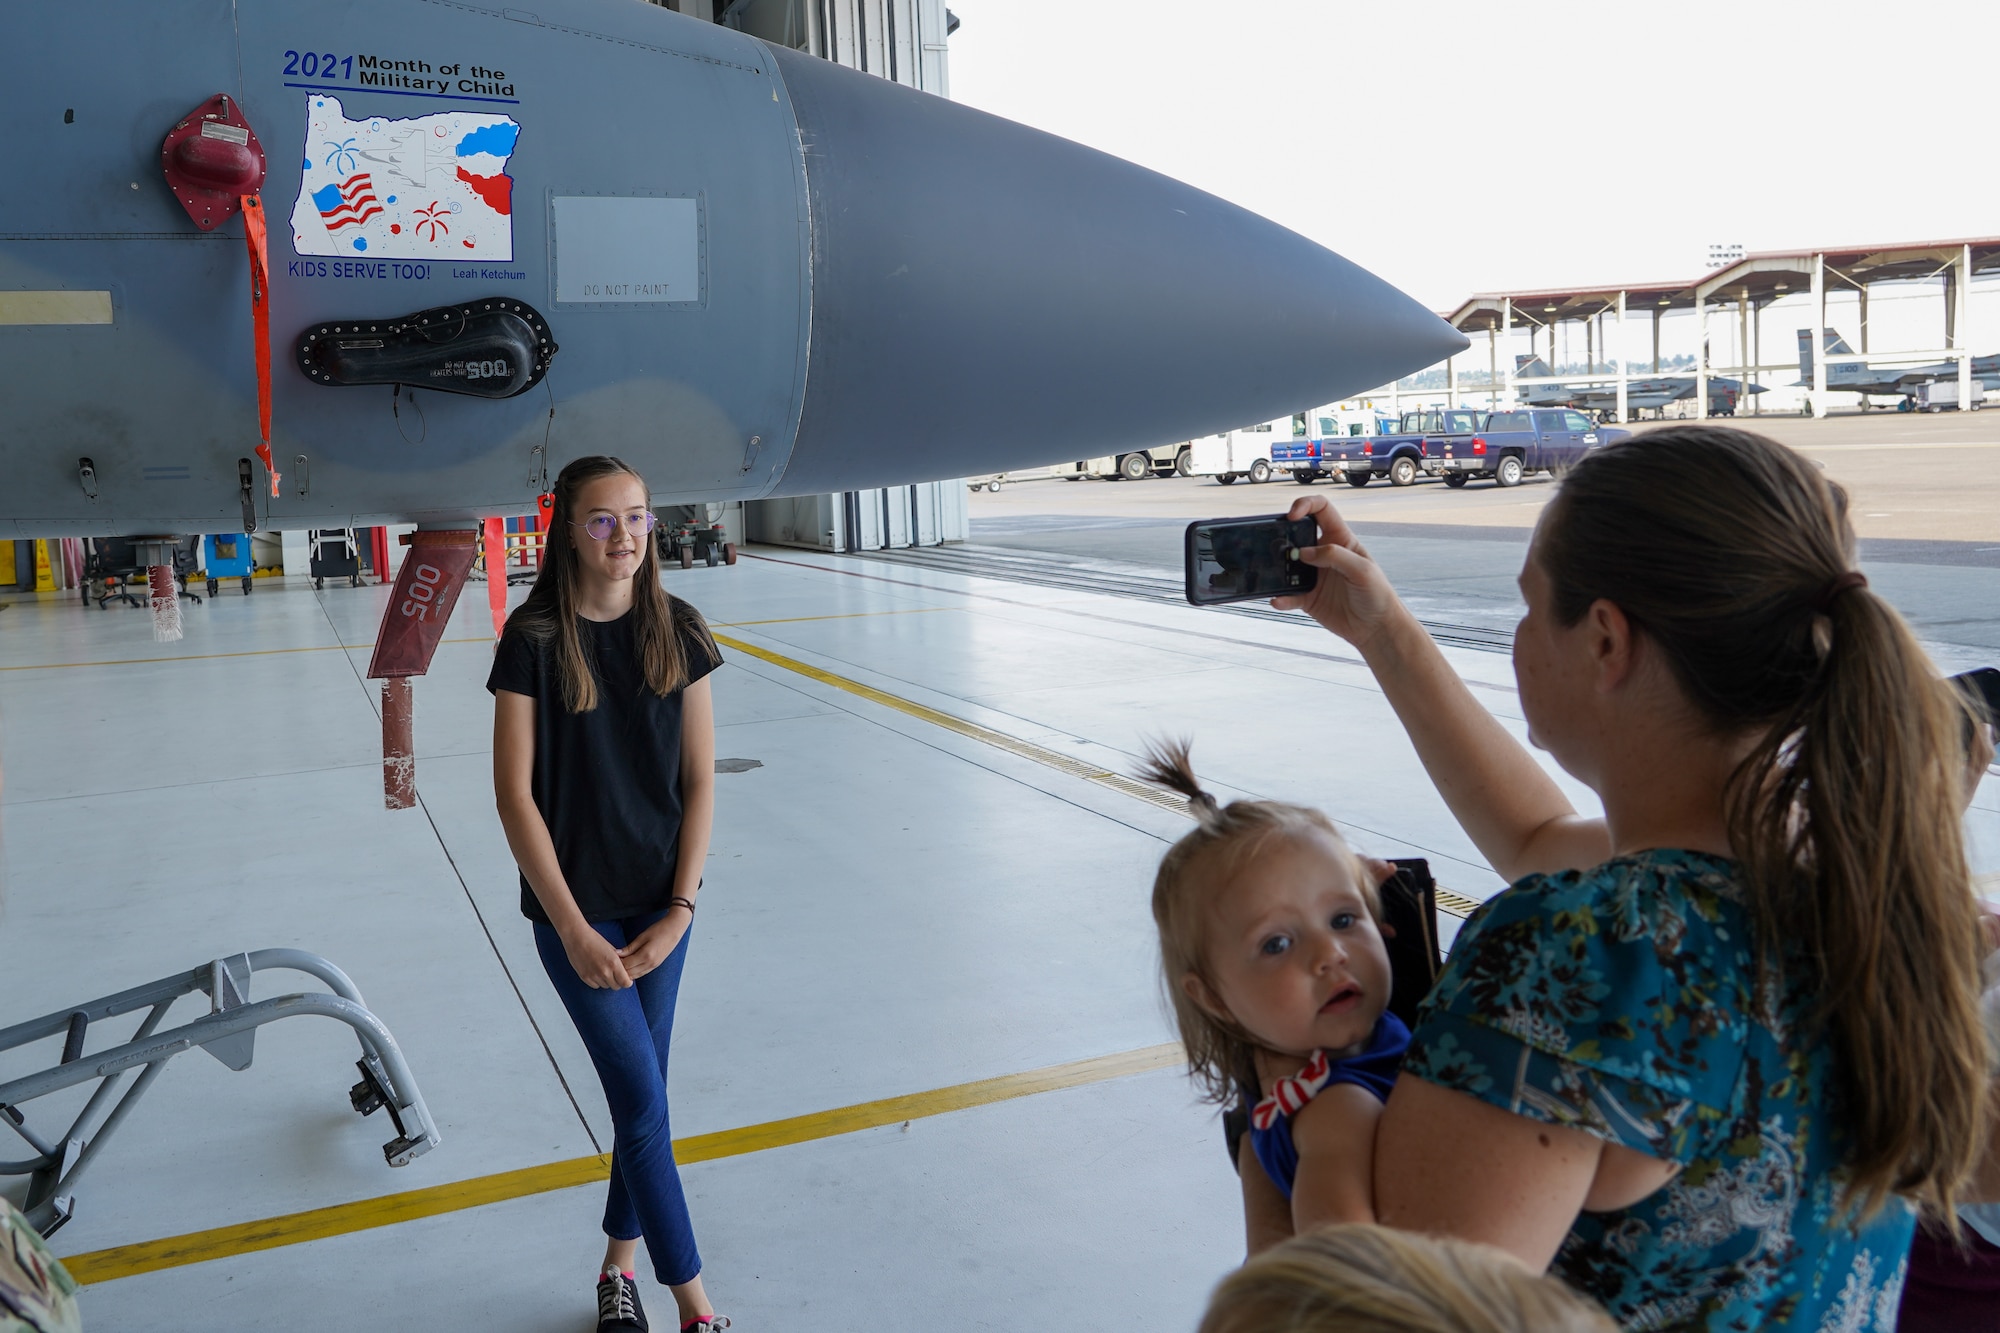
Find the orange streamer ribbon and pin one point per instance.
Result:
(260, 320)
(496, 573)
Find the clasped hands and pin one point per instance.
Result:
(601, 965)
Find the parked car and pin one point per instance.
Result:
(1396, 452)
(1512, 446)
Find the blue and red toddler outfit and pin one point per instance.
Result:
(1271, 1119)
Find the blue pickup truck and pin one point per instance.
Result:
(1396, 452)
(1509, 446)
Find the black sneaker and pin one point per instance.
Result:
(714, 1323)
(618, 1308)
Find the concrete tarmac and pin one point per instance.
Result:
(1924, 492)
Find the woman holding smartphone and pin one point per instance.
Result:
(604, 774)
(1714, 1049)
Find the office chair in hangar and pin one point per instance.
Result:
(114, 563)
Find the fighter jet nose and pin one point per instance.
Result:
(987, 296)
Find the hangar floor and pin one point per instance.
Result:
(922, 1077)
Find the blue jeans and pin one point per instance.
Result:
(626, 1033)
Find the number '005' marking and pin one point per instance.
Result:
(423, 591)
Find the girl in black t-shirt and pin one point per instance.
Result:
(604, 773)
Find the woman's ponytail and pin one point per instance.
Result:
(1848, 821)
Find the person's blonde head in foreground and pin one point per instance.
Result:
(1353, 1278)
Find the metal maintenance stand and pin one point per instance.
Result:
(227, 1032)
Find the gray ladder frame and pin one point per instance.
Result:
(227, 1032)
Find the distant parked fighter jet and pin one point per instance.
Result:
(1651, 394)
(1893, 381)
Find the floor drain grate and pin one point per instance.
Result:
(1457, 903)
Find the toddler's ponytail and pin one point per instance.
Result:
(1170, 764)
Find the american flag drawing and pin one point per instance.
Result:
(348, 204)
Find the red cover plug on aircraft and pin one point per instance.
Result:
(212, 159)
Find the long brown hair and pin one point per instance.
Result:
(1356, 1277)
(1735, 557)
(1220, 1054)
(549, 614)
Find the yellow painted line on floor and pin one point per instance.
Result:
(999, 740)
(390, 1209)
(319, 1223)
(920, 1105)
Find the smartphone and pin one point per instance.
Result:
(1244, 559)
(1982, 686)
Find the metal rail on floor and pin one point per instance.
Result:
(228, 1032)
(1119, 580)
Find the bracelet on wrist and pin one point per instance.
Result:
(678, 901)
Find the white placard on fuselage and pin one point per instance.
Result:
(621, 249)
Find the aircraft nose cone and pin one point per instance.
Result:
(986, 296)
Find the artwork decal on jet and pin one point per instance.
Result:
(426, 187)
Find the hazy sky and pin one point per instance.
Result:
(1453, 147)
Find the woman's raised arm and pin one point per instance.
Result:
(1511, 808)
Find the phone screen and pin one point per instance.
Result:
(1243, 559)
(1982, 686)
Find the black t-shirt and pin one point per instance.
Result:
(608, 782)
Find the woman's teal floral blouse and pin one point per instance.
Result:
(1624, 1001)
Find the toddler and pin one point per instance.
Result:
(1271, 950)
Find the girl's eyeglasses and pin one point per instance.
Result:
(601, 526)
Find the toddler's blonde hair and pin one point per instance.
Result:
(1359, 1278)
(1194, 872)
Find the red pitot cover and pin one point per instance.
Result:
(426, 590)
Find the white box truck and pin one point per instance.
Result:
(1243, 452)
